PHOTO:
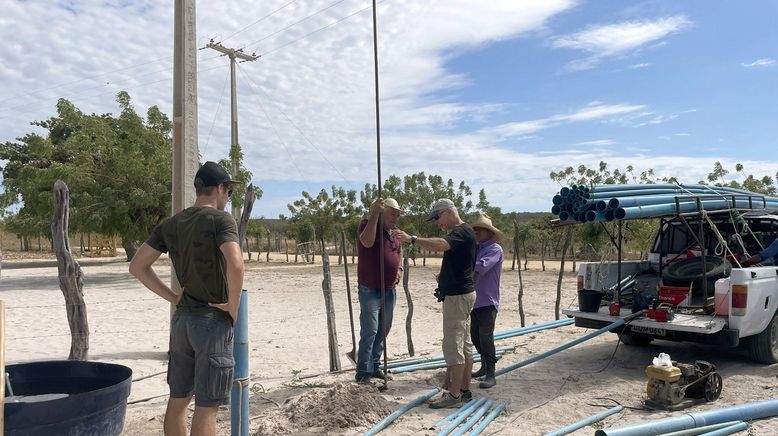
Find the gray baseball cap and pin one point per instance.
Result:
(438, 207)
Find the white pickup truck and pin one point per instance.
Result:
(737, 309)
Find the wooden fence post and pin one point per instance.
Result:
(568, 238)
(521, 282)
(409, 316)
(70, 276)
(332, 334)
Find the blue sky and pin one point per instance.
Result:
(497, 94)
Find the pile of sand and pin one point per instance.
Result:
(341, 406)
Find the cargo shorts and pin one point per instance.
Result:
(201, 362)
(457, 347)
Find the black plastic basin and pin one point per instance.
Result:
(95, 404)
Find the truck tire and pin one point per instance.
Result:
(635, 340)
(690, 270)
(763, 347)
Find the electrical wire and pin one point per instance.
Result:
(295, 23)
(316, 31)
(216, 113)
(323, 156)
(255, 22)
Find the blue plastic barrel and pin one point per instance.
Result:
(67, 398)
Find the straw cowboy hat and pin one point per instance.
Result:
(483, 221)
(391, 202)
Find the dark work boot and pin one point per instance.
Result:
(488, 381)
(481, 371)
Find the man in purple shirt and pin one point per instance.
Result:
(488, 265)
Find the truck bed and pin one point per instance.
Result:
(697, 324)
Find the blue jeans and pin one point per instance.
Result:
(371, 336)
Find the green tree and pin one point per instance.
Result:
(326, 210)
(763, 185)
(116, 168)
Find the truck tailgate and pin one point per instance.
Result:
(701, 324)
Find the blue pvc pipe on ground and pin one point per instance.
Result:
(461, 417)
(734, 428)
(570, 344)
(489, 418)
(453, 415)
(701, 430)
(742, 412)
(239, 396)
(584, 422)
(473, 419)
(380, 425)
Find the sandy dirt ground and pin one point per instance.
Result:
(292, 391)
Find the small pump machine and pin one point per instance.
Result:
(681, 385)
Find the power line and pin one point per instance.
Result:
(343, 178)
(256, 22)
(295, 23)
(98, 95)
(317, 30)
(216, 113)
(38, 91)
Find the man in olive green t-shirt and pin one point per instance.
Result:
(202, 243)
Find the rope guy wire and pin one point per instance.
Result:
(255, 22)
(323, 156)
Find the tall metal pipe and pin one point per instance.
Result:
(473, 419)
(584, 422)
(239, 396)
(741, 412)
(570, 344)
(382, 424)
(489, 418)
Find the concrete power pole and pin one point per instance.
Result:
(234, 147)
(185, 150)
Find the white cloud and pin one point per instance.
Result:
(764, 62)
(597, 142)
(609, 40)
(593, 111)
(641, 65)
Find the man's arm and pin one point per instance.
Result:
(367, 237)
(432, 244)
(488, 259)
(770, 251)
(234, 273)
(140, 267)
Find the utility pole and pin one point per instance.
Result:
(185, 150)
(235, 151)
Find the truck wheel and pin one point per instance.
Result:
(634, 340)
(763, 347)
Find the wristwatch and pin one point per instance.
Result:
(413, 239)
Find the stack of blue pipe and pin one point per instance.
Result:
(617, 202)
(475, 409)
(436, 362)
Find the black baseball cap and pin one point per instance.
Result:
(212, 174)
